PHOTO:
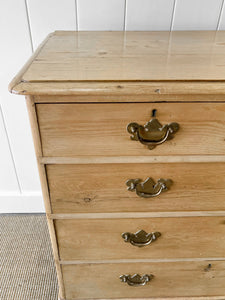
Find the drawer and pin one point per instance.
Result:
(171, 279)
(102, 187)
(97, 239)
(101, 129)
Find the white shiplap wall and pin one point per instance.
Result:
(25, 23)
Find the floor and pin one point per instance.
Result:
(27, 270)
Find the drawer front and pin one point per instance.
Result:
(101, 239)
(171, 279)
(102, 187)
(101, 129)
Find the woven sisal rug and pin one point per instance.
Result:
(27, 270)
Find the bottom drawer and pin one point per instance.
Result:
(171, 279)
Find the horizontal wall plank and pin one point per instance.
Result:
(149, 15)
(100, 15)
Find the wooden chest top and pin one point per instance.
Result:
(66, 61)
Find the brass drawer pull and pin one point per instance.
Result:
(152, 133)
(148, 188)
(136, 279)
(140, 238)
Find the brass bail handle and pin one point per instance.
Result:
(148, 188)
(136, 279)
(152, 133)
(140, 238)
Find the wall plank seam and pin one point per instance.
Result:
(76, 14)
(220, 16)
(28, 25)
(173, 15)
(125, 15)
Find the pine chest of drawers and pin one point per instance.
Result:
(129, 131)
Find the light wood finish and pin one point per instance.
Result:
(100, 129)
(55, 251)
(176, 279)
(101, 56)
(101, 239)
(42, 172)
(132, 159)
(174, 298)
(124, 91)
(137, 215)
(83, 89)
(31, 108)
(18, 78)
(100, 188)
(138, 260)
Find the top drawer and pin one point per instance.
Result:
(101, 129)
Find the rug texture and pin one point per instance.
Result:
(27, 270)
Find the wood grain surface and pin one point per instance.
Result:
(99, 188)
(123, 91)
(84, 160)
(85, 156)
(171, 280)
(186, 237)
(44, 184)
(100, 129)
(81, 56)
